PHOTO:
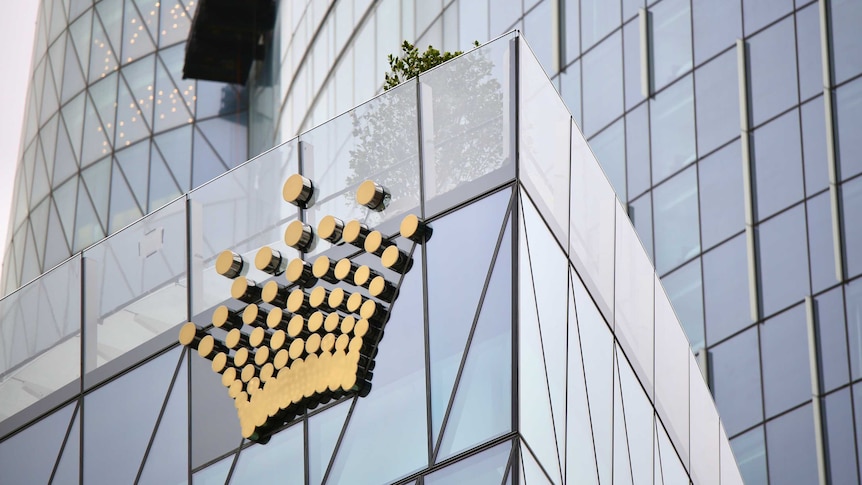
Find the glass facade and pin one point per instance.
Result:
(727, 131)
(531, 342)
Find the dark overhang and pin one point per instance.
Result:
(225, 39)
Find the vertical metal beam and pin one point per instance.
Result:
(831, 139)
(817, 400)
(647, 74)
(749, 188)
(557, 36)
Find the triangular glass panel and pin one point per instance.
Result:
(41, 185)
(41, 33)
(536, 419)
(597, 351)
(25, 176)
(140, 393)
(550, 279)
(80, 34)
(215, 474)
(638, 413)
(658, 474)
(456, 274)
(56, 248)
(167, 460)
(65, 197)
(136, 39)
(673, 473)
(171, 109)
(396, 398)
(131, 126)
(56, 57)
(135, 164)
(191, 7)
(174, 59)
(29, 456)
(482, 405)
(78, 6)
(485, 468)
(323, 431)
(163, 189)
(95, 143)
(31, 123)
(104, 96)
(531, 470)
(39, 222)
(65, 161)
(227, 137)
(124, 209)
(87, 227)
(10, 281)
(580, 452)
(206, 164)
(58, 20)
(622, 461)
(256, 463)
(72, 114)
(73, 78)
(49, 99)
(138, 78)
(48, 137)
(174, 24)
(103, 59)
(149, 11)
(112, 21)
(175, 146)
(97, 179)
(67, 468)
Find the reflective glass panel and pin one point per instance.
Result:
(783, 259)
(486, 468)
(725, 277)
(846, 15)
(29, 455)
(722, 205)
(814, 146)
(750, 451)
(280, 460)
(603, 83)
(809, 51)
(671, 372)
(598, 17)
(840, 438)
(848, 99)
(736, 381)
(717, 25)
(637, 152)
(777, 165)
(684, 287)
(672, 129)
(832, 339)
(821, 248)
(676, 219)
(772, 69)
(853, 300)
(671, 41)
(609, 147)
(784, 351)
(790, 445)
(704, 429)
(851, 195)
(717, 112)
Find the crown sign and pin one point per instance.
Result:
(295, 346)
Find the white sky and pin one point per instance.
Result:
(17, 29)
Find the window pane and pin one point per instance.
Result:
(758, 13)
(821, 248)
(784, 350)
(783, 259)
(750, 452)
(603, 83)
(685, 289)
(851, 195)
(853, 295)
(808, 45)
(672, 123)
(29, 455)
(736, 382)
(609, 148)
(671, 23)
(814, 146)
(570, 87)
(840, 438)
(637, 151)
(846, 41)
(725, 276)
(632, 63)
(640, 213)
(722, 205)
(777, 165)
(717, 109)
(832, 339)
(848, 99)
(772, 69)
(790, 444)
(717, 25)
(598, 17)
(676, 221)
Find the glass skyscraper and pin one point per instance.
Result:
(728, 131)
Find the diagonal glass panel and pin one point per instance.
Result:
(56, 248)
(65, 160)
(638, 412)
(597, 351)
(95, 142)
(486, 468)
(139, 79)
(580, 452)
(228, 136)
(672, 356)
(112, 20)
(171, 108)
(66, 197)
(211, 404)
(56, 56)
(206, 164)
(536, 418)
(323, 431)
(167, 459)
(39, 222)
(41, 185)
(73, 77)
(29, 455)
(704, 430)
(531, 471)
(131, 126)
(545, 127)
(73, 114)
(135, 165)
(67, 468)
(215, 474)
(279, 461)
(48, 137)
(149, 10)
(550, 280)
(396, 398)
(87, 227)
(103, 60)
(163, 188)
(175, 147)
(124, 209)
(729, 470)
(97, 179)
(658, 477)
(113, 457)
(136, 39)
(482, 407)
(451, 302)
(622, 460)
(30, 268)
(49, 99)
(672, 470)
(174, 25)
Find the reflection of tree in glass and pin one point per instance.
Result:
(467, 107)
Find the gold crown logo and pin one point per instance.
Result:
(292, 347)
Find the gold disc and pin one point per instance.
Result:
(317, 296)
(294, 270)
(294, 233)
(239, 287)
(377, 285)
(315, 321)
(373, 241)
(263, 257)
(409, 226)
(256, 337)
(228, 377)
(225, 261)
(274, 318)
(365, 192)
(331, 322)
(369, 308)
(235, 388)
(342, 268)
(355, 344)
(293, 187)
(327, 342)
(347, 324)
(327, 226)
(320, 266)
(362, 275)
(269, 291)
(187, 333)
(266, 372)
(294, 327)
(220, 315)
(247, 372)
(336, 298)
(341, 342)
(361, 328)
(354, 302)
(219, 362)
(206, 345)
(261, 356)
(249, 315)
(296, 348)
(312, 345)
(281, 358)
(233, 338)
(240, 357)
(295, 300)
(390, 256)
(276, 342)
(352, 231)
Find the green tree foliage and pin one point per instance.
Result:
(411, 63)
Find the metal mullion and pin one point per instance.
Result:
(646, 52)
(816, 392)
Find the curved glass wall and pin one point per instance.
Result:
(112, 131)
